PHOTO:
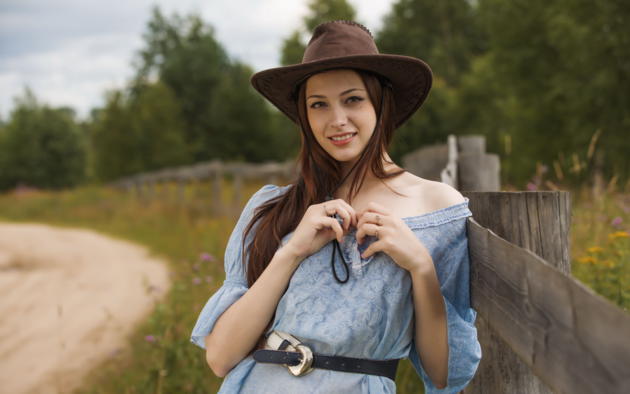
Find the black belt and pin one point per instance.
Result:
(385, 368)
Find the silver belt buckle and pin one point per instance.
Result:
(276, 338)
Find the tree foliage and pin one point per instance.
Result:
(41, 146)
(539, 79)
(137, 133)
(188, 102)
(445, 35)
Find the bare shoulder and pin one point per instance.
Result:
(437, 195)
(443, 195)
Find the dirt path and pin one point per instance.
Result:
(68, 299)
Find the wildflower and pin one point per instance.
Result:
(619, 234)
(594, 249)
(532, 186)
(195, 267)
(150, 338)
(196, 280)
(206, 257)
(609, 263)
(587, 260)
(208, 279)
(617, 221)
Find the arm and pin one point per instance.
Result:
(238, 329)
(430, 324)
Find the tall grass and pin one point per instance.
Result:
(160, 358)
(600, 244)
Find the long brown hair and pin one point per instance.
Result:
(319, 175)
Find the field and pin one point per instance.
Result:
(160, 358)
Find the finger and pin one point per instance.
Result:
(351, 211)
(373, 248)
(335, 226)
(340, 210)
(371, 217)
(366, 229)
(345, 215)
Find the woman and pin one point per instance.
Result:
(356, 264)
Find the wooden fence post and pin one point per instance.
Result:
(477, 170)
(539, 222)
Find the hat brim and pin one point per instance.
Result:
(411, 79)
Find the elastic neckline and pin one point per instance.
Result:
(440, 216)
(433, 218)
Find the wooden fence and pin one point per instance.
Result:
(149, 185)
(540, 329)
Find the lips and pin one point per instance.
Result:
(341, 135)
(349, 138)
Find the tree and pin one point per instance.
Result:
(138, 133)
(445, 35)
(552, 77)
(218, 106)
(41, 146)
(182, 53)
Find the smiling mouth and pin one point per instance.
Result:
(342, 138)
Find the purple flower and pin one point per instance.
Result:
(196, 280)
(150, 338)
(617, 221)
(208, 279)
(206, 257)
(532, 186)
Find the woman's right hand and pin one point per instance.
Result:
(319, 226)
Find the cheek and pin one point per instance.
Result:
(316, 124)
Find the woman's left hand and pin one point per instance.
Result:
(394, 238)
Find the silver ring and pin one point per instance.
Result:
(378, 220)
(376, 233)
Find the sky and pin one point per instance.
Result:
(70, 52)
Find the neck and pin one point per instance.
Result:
(370, 178)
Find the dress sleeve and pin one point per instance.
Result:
(464, 348)
(235, 284)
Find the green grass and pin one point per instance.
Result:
(160, 358)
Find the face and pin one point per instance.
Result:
(338, 105)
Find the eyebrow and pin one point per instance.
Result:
(340, 94)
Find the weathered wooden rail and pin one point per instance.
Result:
(149, 185)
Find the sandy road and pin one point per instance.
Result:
(68, 300)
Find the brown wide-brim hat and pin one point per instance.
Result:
(347, 44)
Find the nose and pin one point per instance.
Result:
(339, 117)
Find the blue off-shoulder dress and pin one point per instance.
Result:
(370, 316)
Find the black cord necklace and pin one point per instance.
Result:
(329, 197)
(336, 248)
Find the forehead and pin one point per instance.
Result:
(333, 81)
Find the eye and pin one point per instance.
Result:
(317, 104)
(354, 99)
